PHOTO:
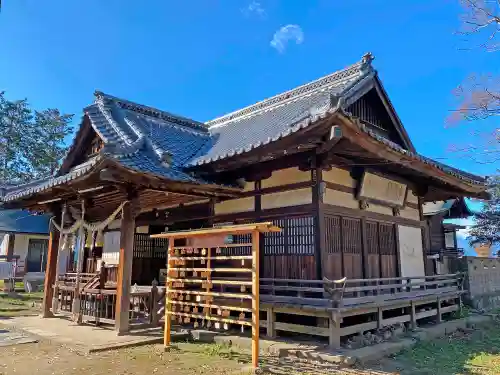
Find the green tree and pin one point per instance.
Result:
(487, 223)
(31, 142)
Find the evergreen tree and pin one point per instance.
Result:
(487, 226)
(31, 142)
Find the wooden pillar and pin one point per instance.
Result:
(55, 292)
(10, 248)
(319, 221)
(125, 268)
(255, 298)
(50, 271)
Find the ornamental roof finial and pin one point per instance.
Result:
(367, 58)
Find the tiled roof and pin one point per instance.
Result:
(467, 177)
(281, 115)
(33, 187)
(151, 141)
(20, 221)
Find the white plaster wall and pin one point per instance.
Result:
(410, 213)
(286, 176)
(286, 198)
(410, 251)
(21, 243)
(4, 246)
(235, 205)
(339, 176)
(373, 207)
(340, 198)
(411, 197)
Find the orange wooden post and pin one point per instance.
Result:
(168, 305)
(255, 298)
(50, 271)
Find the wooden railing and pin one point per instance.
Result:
(69, 279)
(353, 292)
(97, 306)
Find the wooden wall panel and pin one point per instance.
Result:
(289, 267)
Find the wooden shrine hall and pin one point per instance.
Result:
(329, 163)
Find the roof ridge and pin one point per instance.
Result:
(152, 111)
(360, 67)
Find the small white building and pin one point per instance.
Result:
(25, 235)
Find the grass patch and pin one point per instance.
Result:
(21, 304)
(475, 353)
(17, 285)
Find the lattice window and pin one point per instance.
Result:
(372, 237)
(147, 247)
(296, 237)
(274, 243)
(351, 235)
(143, 246)
(387, 239)
(333, 234)
(160, 248)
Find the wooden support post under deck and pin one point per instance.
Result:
(413, 316)
(125, 268)
(334, 325)
(271, 318)
(255, 298)
(380, 318)
(439, 317)
(50, 271)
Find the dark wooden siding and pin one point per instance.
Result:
(289, 254)
(388, 250)
(372, 241)
(343, 253)
(436, 232)
(343, 248)
(150, 255)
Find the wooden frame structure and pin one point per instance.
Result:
(205, 246)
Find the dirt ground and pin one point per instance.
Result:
(46, 358)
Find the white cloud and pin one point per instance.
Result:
(286, 34)
(254, 8)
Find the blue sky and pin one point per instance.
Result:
(204, 58)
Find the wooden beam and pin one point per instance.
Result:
(50, 271)
(125, 266)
